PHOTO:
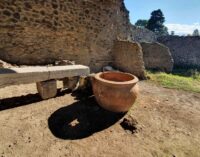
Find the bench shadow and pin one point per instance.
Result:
(9, 103)
(81, 119)
(7, 71)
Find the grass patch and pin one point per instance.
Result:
(184, 80)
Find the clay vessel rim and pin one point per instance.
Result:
(133, 81)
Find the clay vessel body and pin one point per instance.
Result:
(115, 91)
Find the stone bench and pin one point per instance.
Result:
(45, 77)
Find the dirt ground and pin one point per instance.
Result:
(163, 123)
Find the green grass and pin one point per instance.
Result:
(184, 80)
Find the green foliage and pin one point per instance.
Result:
(188, 80)
(193, 73)
(141, 23)
(172, 33)
(196, 33)
(156, 23)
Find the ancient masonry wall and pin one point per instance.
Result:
(43, 31)
(157, 56)
(143, 35)
(128, 57)
(185, 50)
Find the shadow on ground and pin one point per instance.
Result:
(9, 103)
(81, 119)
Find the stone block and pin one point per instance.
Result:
(47, 89)
(71, 82)
(128, 57)
(157, 56)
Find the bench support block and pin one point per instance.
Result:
(47, 89)
(70, 82)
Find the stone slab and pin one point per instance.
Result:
(25, 75)
(128, 57)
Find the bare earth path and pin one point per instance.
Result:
(168, 125)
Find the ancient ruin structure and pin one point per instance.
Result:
(96, 33)
(128, 57)
(157, 56)
(45, 77)
(143, 35)
(185, 50)
(40, 32)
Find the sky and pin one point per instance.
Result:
(181, 16)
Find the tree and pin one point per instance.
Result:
(196, 33)
(156, 23)
(141, 23)
(172, 33)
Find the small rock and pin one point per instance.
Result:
(108, 68)
(64, 62)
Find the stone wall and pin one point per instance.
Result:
(185, 50)
(143, 34)
(41, 32)
(157, 56)
(128, 57)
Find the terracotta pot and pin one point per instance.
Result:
(115, 91)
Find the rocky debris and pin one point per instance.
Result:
(130, 124)
(157, 56)
(84, 82)
(4, 64)
(71, 83)
(108, 68)
(64, 62)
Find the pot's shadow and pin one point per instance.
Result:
(81, 119)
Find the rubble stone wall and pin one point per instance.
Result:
(157, 56)
(42, 31)
(128, 57)
(143, 35)
(185, 50)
